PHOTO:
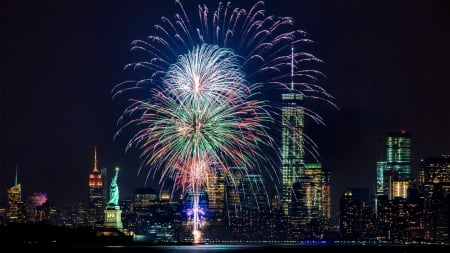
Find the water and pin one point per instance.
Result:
(284, 248)
(193, 248)
(224, 248)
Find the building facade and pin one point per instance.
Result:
(292, 151)
(394, 174)
(435, 185)
(96, 196)
(15, 210)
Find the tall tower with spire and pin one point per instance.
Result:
(96, 198)
(292, 152)
(14, 213)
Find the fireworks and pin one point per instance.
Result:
(38, 199)
(202, 120)
(203, 114)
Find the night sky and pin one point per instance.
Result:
(386, 62)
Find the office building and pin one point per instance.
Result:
(96, 196)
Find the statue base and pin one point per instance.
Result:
(113, 217)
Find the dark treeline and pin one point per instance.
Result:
(28, 234)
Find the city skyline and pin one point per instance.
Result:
(63, 59)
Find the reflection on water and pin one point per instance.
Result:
(225, 248)
(275, 248)
(205, 248)
(189, 248)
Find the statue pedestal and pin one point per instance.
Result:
(113, 217)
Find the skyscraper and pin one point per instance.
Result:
(96, 198)
(310, 208)
(311, 198)
(348, 209)
(356, 219)
(292, 151)
(381, 187)
(394, 174)
(435, 183)
(233, 201)
(434, 171)
(215, 189)
(398, 153)
(14, 212)
(322, 193)
(254, 216)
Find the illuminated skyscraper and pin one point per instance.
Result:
(292, 151)
(310, 202)
(215, 189)
(435, 183)
(320, 178)
(348, 209)
(14, 213)
(394, 174)
(398, 163)
(96, 198)
(255, 208)
(435, 170)
(356, 219)
(381, 187)
(311, 197)
(398, 153)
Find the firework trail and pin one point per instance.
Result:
(202, 114)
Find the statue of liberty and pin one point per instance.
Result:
(114, 190)
(113, 214)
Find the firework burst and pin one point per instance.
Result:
(202, 115)
(201, 121)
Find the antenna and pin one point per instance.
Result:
(16, 181)
(95, 159)
(292, 67)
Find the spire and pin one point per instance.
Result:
(95, 160)
(16, 181)
(292, 67)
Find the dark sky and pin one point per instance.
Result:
(386, 63)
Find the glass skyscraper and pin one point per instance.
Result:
(292, 152)
(394, 173)
(14, 211)
(398, 153)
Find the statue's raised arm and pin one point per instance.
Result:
(114, 190)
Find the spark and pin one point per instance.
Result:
(206, 111)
